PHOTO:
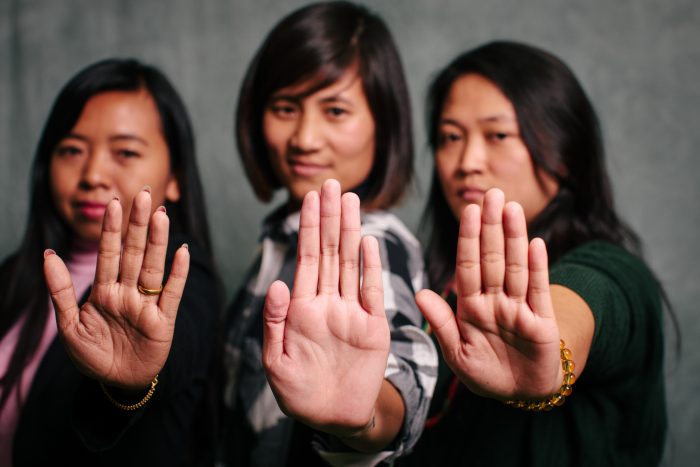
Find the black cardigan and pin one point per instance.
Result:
(67, 420)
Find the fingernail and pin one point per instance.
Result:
(48, 252)
(161, 209)
(116, 197)
(185, 246)
(147, 188)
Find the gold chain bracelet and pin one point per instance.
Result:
(137, 405)
(565, 390)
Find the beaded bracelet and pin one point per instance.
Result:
(137, 405)
(565, 390)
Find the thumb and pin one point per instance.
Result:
(275, 319)
(60, 286)
(441, 319)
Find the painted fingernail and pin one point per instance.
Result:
(147, 188)
(48, 252)
(185, 246)
(116, 197)
(161, 209)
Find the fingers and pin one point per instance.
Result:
(538, 294)
(372, 285)
(306, 275)
(468, 268)
(107, 270)
(441, 319)
(60, 286)
(516, 248)
(350, 236)
(169, 299)
(330, 238)
(492, 251)
(151, 276)
(275, 316)
(135, 242)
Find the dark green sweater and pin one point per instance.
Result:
(616, 414)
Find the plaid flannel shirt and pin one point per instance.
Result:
(411, 366)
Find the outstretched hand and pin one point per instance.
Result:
(325, 348)
(121, 336)
(503, 340)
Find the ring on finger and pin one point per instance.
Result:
(146, 291)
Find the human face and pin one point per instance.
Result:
(115, 148)
(479, 147)
(327, 134)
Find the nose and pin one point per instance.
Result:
(307, 135)
(95, 170)
(473, 157)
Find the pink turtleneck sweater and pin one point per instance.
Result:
(81, 265)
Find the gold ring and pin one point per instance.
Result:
(146, 291)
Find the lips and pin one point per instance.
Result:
(91, 210)
(306, 168)
(471, 194)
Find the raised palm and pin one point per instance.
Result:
(503, 339)
(325, 349)
(121, 336)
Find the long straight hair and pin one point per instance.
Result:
(23, 291)
(560, 129)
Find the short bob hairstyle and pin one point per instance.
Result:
(316, 45)
(561, 132)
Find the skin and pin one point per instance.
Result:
(115, 148)
(328, 134)
(503, 340)
(120, 336)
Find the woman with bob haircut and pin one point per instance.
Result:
(112, 390)
(339, 367)
(551, 331)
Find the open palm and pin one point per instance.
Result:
(325, 349)
(121, 336)
(503, 340)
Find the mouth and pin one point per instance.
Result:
(307, 169)
(91, 210)
(470, 194)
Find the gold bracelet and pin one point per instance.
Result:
(137, 405)
(565, 390)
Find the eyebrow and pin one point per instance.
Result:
(488, 119)
(296, 98)
(117, 137)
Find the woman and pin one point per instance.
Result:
(570, 323)
(117, 132)
(325, 97)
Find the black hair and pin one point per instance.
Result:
(22, 286)
(561, 131)
(318, 43)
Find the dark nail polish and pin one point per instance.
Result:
(161, 209)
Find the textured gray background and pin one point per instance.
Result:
(638, 60)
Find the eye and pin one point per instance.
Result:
(283, 109)
(336, 112)
(67, 150)
(446, 138)
(127, 153)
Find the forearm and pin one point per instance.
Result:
(385, 423)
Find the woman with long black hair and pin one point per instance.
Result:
(118, 131)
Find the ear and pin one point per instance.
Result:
(172, 190)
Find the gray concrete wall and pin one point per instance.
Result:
(639, 61)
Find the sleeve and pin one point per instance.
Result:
(625, 300)
(163, 431)
(412, 364)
